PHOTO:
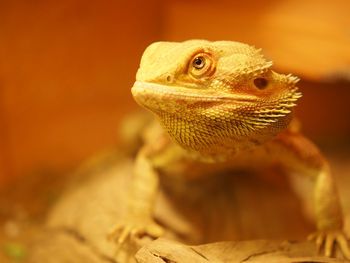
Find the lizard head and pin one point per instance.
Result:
(214, 95)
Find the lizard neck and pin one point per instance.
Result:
(211, 143)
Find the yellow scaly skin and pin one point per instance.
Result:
(220, 102)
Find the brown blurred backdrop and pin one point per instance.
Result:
(66, 67)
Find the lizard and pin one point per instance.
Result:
(221, 103)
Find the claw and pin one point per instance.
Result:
(312, 236)
(115, 232)
(329, 244)
(125, 234)
(155, 230)
(319, 241)
(344, 246)
(327, 240)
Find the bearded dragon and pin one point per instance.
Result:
(221, 103)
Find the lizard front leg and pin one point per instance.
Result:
(296, 153)
(144, 187)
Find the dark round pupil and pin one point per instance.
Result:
(260, 83)
(198, 62)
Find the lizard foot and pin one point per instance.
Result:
(132, 229)
(327, 240)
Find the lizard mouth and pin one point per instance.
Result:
(144, 92)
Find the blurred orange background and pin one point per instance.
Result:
(66, 67)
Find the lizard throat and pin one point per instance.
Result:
(209, 123)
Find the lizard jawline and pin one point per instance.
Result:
(150, 94)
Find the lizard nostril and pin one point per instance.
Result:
(169, 78)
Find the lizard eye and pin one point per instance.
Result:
(261, 83)
(198, 62)
(201, 64)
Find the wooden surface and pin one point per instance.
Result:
(234, 207)
(162, 251)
